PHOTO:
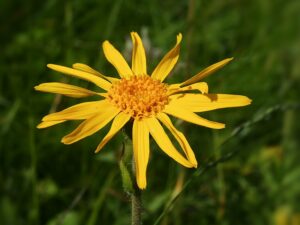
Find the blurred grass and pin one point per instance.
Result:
(45, 182)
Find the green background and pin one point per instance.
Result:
(45, 182)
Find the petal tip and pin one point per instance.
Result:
(179, 35)
(246, 101)
(40, 126)
(97, 150)
(74, 65)
(133, 33)
(133, 39)
(49, 65)
(137, 37)
(179, 38)
(142, 186)
(105, 43)
(65, 141)
(46, 118)
(218, 126)
(194, 162)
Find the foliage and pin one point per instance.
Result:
(45, 182)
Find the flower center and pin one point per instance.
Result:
(139, 96)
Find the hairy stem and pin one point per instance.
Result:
(136, 201)
(136, 208)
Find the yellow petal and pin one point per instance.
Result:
(88, 69)
(104, 84)
(79, 112)
(91, 125)
(64, 89)
(175, 88)
(116, 59)
(139, 66)
(45, 124)
(207, 102)
(176, 110)
(164, 142)
(184, 144)
(168, 62)
(207, 71)
(120, 120)
(140, 140)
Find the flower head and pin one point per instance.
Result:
(142, 98)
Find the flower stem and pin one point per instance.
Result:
(129, 178)
(136, 208)
(136, 201)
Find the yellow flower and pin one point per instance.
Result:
(142, 98)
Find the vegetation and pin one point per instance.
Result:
(257, 179)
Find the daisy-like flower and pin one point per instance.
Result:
(144, 99)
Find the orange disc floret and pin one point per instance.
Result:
(139, 96)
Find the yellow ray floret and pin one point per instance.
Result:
(116, 59)
(179, 137)
(91, 125)
(206, 72)
(88, 69)
(119, 121)
(168, 62)
(140, 140)
(162, 140)
(184, 114)
(80, 111)
(207, 102)
(65, 89)
(82, 75)
(175, 88)
(139, 66)
(45, 124)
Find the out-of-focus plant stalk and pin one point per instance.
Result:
(220, 176)
(290, 131)
(190, 29)
(34, 212)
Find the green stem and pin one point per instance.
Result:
(136, 208)
(129, 178)
(136, 200)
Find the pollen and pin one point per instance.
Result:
(139, 96)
